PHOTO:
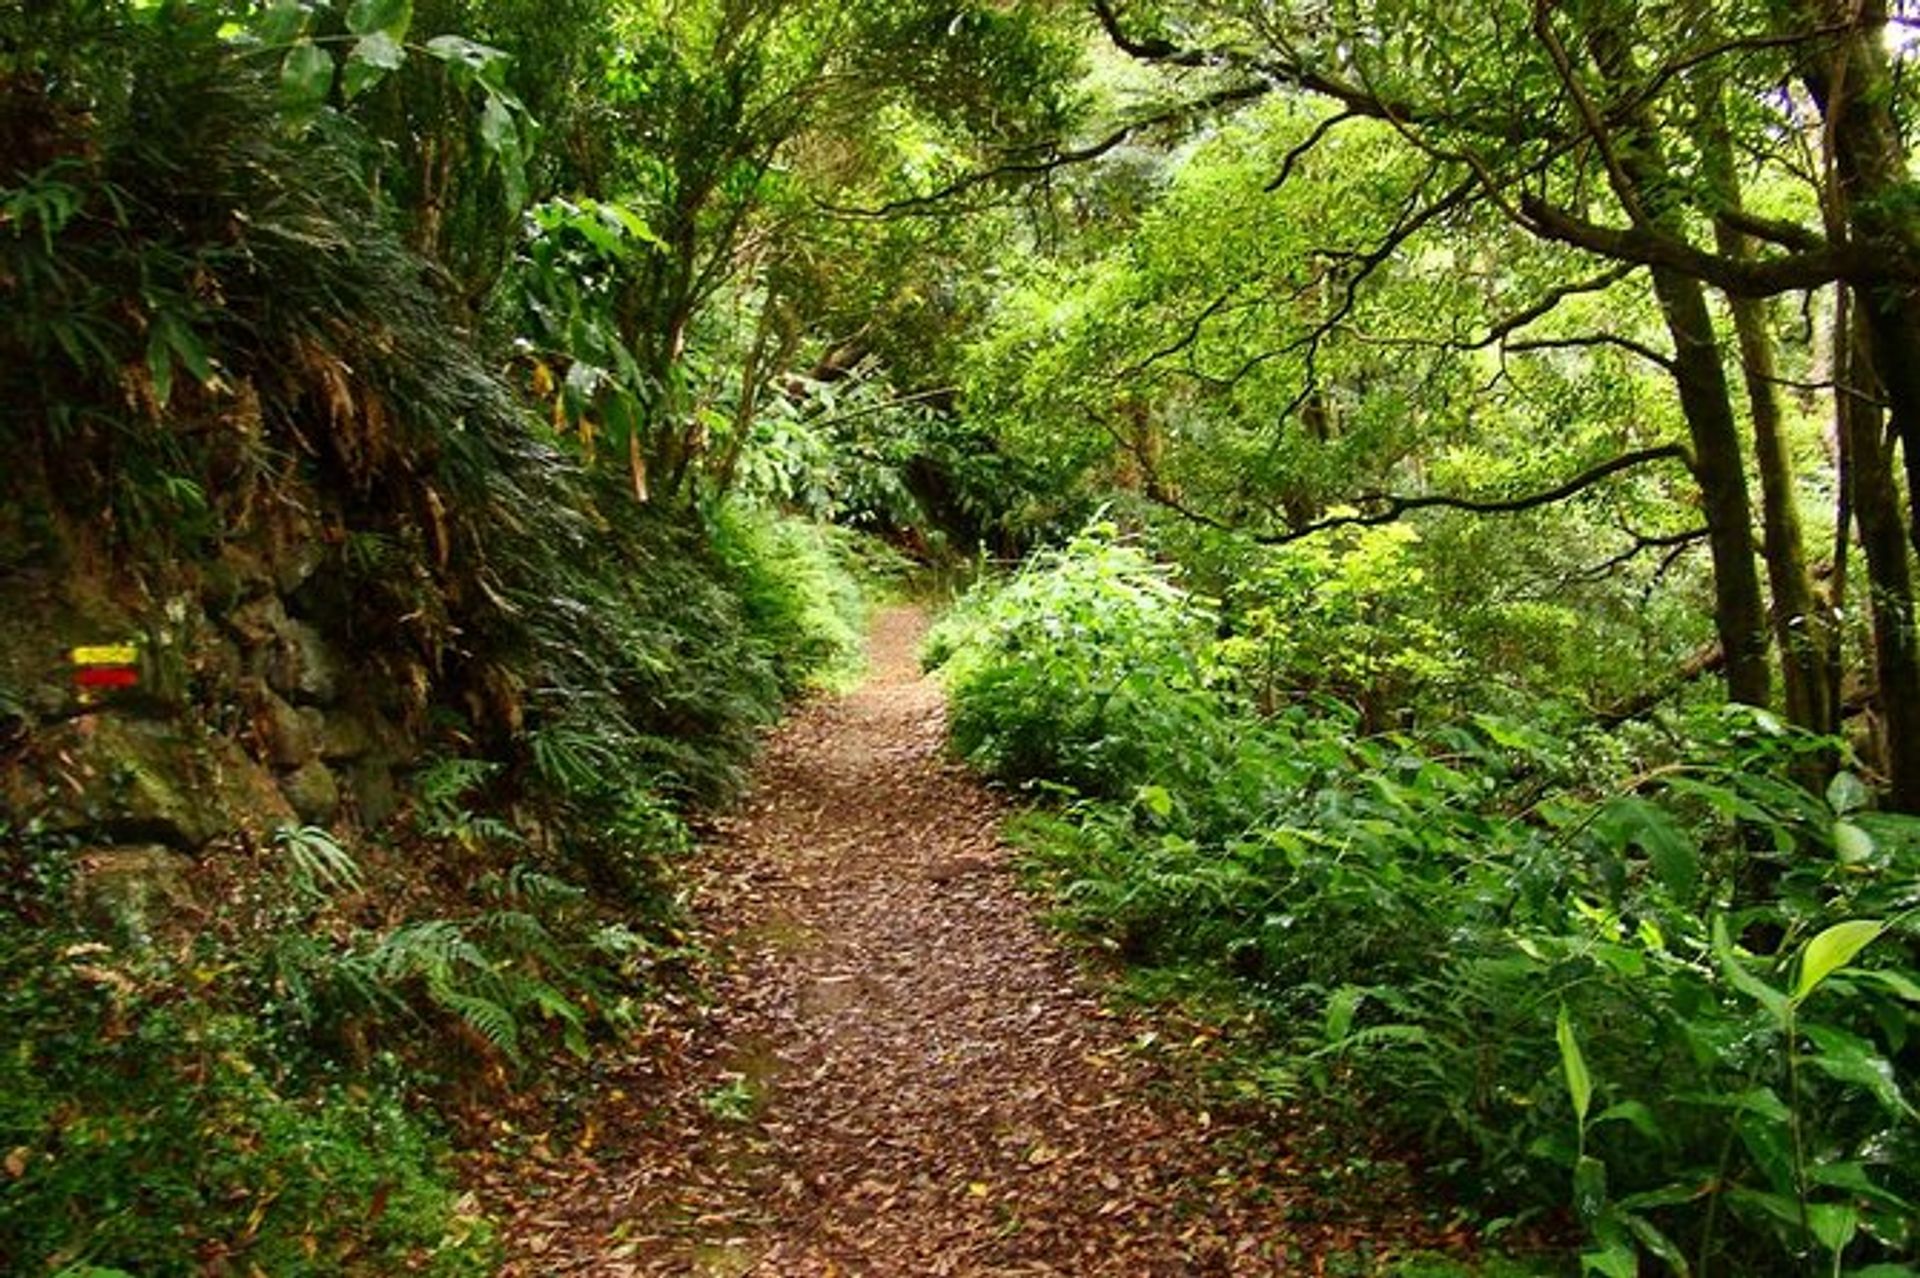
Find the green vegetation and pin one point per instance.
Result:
(1454, 466)
(1653, 973)
(459, 687)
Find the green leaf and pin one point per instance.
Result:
(496, 125)
(486, 63)
(1903, 986)
(1631, 1111)
(501, 137)
(1847, 793)
(388, 17)
(1669, 1195)
(1767, 1143)
(632, 223)
(1779, 1206)
(281, 23)
(185, 344)
(1851, 844)
(1579, 1082)
(1669, 848)
(305, 77)
(1851, 1059)
(1589, 1187)
(1853, 1177)
(1834, 1224)
(1743, 980)
(160, 365)
(1155, 799)
(1832, 950)
(371, 59)
(1659, 1244)
(1615, 1260)
(1341, 1008)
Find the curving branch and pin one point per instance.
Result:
(1741, 277)
(1552, 298)
(1056, 156)
(1182, 342)
(1392, 507)
(1642, 543)
(1298, 151)
(1590, 340)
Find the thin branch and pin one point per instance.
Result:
(1299, 150)
(1627, 344)
(1182, 342)
(1642, 543)
(867, 410)
(1056, 157)
(1552, 298)
(1854, 393)
(1623, 185)
(1394, 506)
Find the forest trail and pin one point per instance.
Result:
(901, 1072)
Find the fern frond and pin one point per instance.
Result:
(486, 1017)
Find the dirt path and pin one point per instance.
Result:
(900, 1072)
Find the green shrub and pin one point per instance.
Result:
(1415, 916)
(800, 601)
(152, 1127)
(1074, 669)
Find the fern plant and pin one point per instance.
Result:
(318, 866)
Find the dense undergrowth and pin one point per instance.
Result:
(1645, 983)
(235, 386)
(259, 1073)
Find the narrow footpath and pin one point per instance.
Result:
(900, 1072)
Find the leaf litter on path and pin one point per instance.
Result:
(900, 1071)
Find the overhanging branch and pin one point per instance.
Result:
(1741, 277)
(1056, 156)
(1391, 508)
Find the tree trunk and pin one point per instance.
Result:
(1850, 80)
(1799, 624)
(1896, 656)
(1639, 172)
(1854, 88)
(1739, 612)
(1839, 369)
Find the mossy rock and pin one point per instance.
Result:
(133, 888)
(313, 792)
(142, 781)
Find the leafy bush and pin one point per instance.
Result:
(152, 1126)
(1349, 614)
(799, 597)
(1434, 924)
(1083, 660)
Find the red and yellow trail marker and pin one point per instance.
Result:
(107, 665)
